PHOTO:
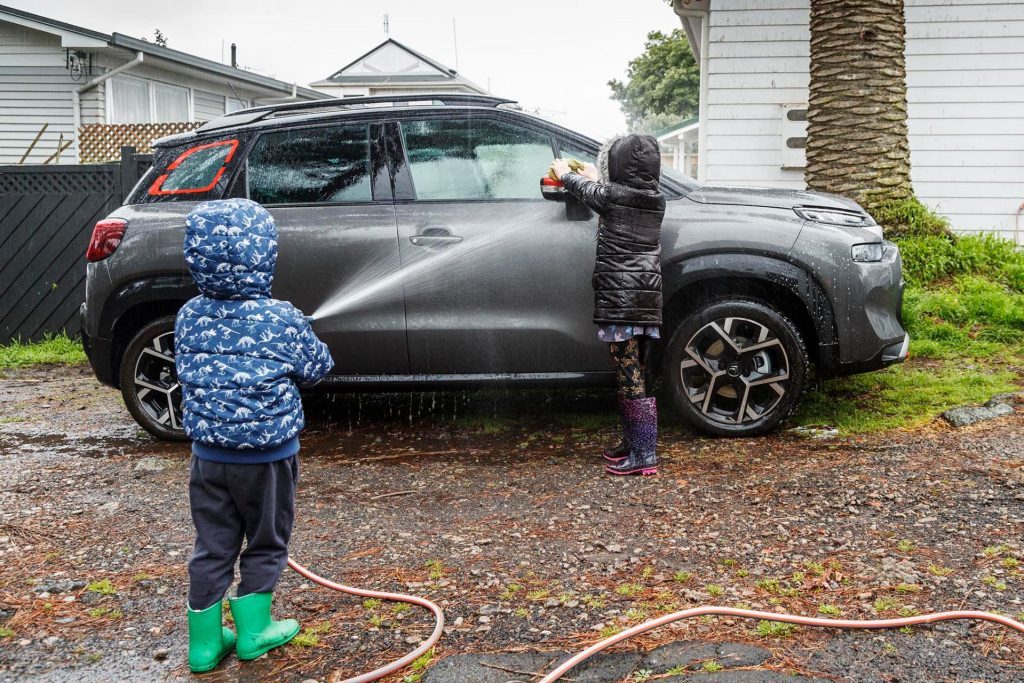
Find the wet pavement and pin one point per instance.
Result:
(494, 505)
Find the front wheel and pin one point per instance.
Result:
(149, 381)
(735, 367)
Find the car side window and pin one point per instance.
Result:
(475, 158)
(311, 166)
(567, 151)
(197, 170)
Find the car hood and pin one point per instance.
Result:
(770, 197)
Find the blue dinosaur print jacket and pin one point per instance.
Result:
(238, 352)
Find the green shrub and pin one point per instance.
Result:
(910, 218)
(929, 260)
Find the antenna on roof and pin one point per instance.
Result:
(455, 41)
(387, 26)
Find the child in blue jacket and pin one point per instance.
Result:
(239, 355)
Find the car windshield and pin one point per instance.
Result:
(686, 181)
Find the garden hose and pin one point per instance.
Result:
(383, 671)
(639, 629)
(773, 616)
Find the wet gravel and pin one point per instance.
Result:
(494, 506)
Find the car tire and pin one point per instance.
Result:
(750, 356)
(149, 382)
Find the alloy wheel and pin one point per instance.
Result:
(156, 381)
(735, 370)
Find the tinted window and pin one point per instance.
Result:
(197, 169)
(311, 165)
(475, 159)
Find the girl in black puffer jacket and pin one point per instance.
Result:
(627, 280)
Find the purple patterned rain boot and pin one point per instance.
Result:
(620, 452)
(641, 417)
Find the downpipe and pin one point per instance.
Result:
(704, 610)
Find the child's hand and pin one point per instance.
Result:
(560, 167)
(589, 172)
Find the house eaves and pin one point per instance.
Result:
(70, 36)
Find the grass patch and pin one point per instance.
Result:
(60, 349)
(774, 629)
(901, 396)
(103, 587)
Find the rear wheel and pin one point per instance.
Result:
(735, 367)
(149, 382)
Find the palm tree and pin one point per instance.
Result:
(857, 110)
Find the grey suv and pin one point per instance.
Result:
(420, 235)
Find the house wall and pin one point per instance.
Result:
(965, 98)
(208, 96)
(35, 88)
(965, 92)
(758, 61)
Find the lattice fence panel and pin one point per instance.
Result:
(99, 142)
(58, 181)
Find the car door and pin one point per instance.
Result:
(328, 188)
(497, 280)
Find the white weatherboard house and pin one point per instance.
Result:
(61, 76)
(965, 93)
(391, 68)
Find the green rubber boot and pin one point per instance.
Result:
(257, 632)
(208, 640)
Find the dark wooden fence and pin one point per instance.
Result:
(46, 218)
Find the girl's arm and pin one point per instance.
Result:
(594, 195)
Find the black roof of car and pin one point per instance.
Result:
(299, 111)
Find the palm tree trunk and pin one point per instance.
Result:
(857, 111)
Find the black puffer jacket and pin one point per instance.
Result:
(627, 275)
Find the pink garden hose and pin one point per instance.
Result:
(772, 616)
(393, 597)
(581, 657)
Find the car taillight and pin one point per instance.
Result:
(106, 237)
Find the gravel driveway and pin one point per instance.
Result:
(494, 506)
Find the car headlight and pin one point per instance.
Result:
(868, 253)
(834, 217)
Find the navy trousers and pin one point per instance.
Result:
(234, 502)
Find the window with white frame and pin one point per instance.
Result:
(136, 100)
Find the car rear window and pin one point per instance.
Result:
(196, 170)
(329, 164)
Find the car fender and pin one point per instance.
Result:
(683, 273)
(154, 289)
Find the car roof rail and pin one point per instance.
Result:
(244, 116)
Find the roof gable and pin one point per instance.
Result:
(392, 59)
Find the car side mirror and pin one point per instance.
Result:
(554, 191)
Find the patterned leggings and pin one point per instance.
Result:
(629, 367)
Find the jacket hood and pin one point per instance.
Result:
(231, 249)
(633, 160)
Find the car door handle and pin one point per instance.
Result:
(434, 235)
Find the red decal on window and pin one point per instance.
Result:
(156, 188)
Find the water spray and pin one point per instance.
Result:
(387, 277)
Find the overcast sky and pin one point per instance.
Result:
(555, 56)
